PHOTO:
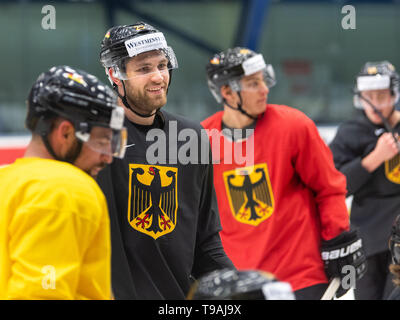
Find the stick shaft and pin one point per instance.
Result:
(331, 290)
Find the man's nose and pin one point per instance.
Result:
(106, 158)
(157, 76)
(265, 88)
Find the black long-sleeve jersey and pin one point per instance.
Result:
(164, 215)
(376, 195)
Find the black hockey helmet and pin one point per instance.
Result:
(394, 241)
(376, 76)
(231, 284)
(126, 41)
(78, 97)
(228, 67)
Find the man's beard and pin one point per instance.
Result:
(73, 156)
(142, 103)
(90, 173)
(73, 153)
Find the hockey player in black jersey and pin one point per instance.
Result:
(366, 150)
(164, 216)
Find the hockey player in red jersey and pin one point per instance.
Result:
(286, 204)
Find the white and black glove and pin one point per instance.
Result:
(344, 250)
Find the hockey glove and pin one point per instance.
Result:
(344, 257)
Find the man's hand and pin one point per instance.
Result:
(344, 250)
(386, 146)
(385, 149)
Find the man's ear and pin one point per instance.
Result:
(226, 92)
(65, 131)
(112, 77)
(62, 136)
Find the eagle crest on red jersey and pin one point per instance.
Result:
(250, 194)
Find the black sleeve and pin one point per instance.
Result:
(209, 252)
(348, 158)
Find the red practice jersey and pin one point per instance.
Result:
(275, 211)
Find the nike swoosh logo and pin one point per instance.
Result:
(379, 131)
(129, 145)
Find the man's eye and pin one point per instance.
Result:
(102, 143)
(253, 84)
(144, 69)
(162, 66)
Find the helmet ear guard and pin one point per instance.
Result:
(215, 91)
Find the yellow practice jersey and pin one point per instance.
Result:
(54, 233)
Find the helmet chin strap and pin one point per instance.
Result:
(126, 103)
(239, 107)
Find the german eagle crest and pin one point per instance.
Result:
(392, 169)
(153, 201)
(250, 194)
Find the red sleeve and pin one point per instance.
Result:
(315, 166)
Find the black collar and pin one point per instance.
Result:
(239, 134)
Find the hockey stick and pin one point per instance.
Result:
(331, 290)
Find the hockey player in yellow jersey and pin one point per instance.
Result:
(54, 224)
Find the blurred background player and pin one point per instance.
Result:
(394, 267)
(366, 151)
(231, 284)
(277, 213)
(164, 216)
(54, 226)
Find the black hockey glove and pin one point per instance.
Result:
(344, 257)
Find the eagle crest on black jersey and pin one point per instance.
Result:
(392, 169)
(250, 194)
(153, 200)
